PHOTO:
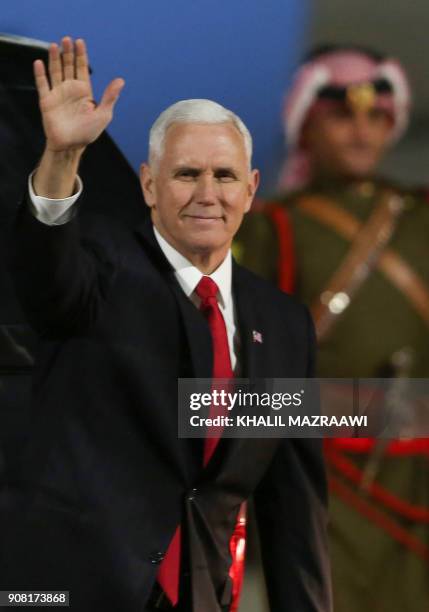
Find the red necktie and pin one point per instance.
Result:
(207, 290)
(168, 575)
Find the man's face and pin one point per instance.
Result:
(346, 143)
(200, 188)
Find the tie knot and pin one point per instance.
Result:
(206, 288)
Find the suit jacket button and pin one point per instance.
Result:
(156, 557)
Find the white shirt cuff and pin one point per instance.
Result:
(51, 211)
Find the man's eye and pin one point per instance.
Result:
(225, 177)
(186, 175)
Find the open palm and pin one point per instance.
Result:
(71, 118)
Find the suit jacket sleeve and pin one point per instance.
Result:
(291, 511)
(62, 274)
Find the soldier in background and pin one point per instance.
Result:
(355, 247)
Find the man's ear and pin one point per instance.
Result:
(251, 188)
(148, 184)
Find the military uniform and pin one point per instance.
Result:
(380, 538)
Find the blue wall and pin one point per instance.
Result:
(238, 52)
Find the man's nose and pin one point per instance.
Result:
(362, 126)
(206, 190)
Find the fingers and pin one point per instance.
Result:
(68, 57)
(111, 94)
(40, 78)
(55, 67)
(82, 68)
(70, 63)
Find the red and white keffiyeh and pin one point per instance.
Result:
(340, 69)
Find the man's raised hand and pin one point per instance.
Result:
(71, 118)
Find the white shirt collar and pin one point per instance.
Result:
(188, 276)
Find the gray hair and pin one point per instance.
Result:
(194, 111)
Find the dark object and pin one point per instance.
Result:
(111, 187)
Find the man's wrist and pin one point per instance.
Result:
(63, 155)
(55, 176)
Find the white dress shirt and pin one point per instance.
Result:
(53, 212)
(58, 212)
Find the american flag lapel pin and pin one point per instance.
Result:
(257, 337)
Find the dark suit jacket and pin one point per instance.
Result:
(105, 479)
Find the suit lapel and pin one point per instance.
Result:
(195, 325)
(198, 340)
(197, 332)
(250, 326)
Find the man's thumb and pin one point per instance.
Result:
(111, 94)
